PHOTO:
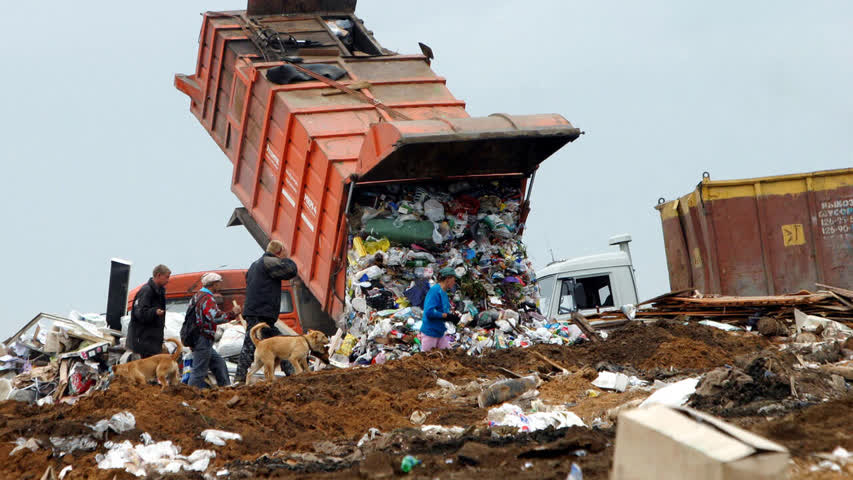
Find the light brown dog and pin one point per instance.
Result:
(163, 367)
(270, 351)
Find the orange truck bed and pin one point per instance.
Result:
(299, 149)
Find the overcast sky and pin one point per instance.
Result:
(101, 157)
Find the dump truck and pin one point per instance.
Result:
(761, 236)
(308, 107)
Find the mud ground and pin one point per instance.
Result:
(308, 426)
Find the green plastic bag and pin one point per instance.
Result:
(419, 232)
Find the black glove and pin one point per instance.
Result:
(452, 318)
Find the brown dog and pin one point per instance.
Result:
(293, 348)
(163, 367)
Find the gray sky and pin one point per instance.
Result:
(101, 157)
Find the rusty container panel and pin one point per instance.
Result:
(298, 149)
(762, 236)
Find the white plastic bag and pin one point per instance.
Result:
(232, 340)
(372, 273)
(434, 210)
(437, 238)
(219, 437)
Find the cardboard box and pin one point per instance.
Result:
(660, 442)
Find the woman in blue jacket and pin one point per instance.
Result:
(437, 311)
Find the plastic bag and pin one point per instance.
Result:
(372, 273)
(347, 345)
(369, 214)
(436, 236)
(80, 379)
(425, 256)
(219, 437)
(119, 423)
(373, 246)
(358, 247)
(400, 231)
(395, 257)
(434, 210)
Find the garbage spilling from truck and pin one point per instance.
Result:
(403, 235)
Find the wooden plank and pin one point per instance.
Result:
(551, 362)
(585, 327)
(838, 290)
(842, 300)
(63, 380)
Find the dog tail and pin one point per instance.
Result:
(179, 348)
(254, 333)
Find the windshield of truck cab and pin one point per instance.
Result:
(286, 303)
(177, 305)
(567, 300)
(546, 291)
(180, 305)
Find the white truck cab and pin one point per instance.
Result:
(588, 284)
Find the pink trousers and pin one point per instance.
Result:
(428, 343)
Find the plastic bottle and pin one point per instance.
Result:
(188, 368)
(409, 462)
(506, 390)
(576, 473)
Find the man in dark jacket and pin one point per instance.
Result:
(148, 315)
(263, 298)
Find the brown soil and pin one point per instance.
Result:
(574, 390)
(688, 354)
(633, 345)
(817, 429)
(339, 406)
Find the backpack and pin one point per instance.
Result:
(190, 332)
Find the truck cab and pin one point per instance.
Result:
(182, 287)
(588, 284)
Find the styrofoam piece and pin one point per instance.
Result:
(673, 395)
(611, 381)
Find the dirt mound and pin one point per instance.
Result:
(817, 429)
(763, 383)
(686, 353)
(547, 454)
(295, 414)
(634, 345)
(731, 392)
(573, 390)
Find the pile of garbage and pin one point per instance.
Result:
(57, 358)
(401, 236)
(53, 357)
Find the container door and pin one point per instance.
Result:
(495, 145)
(237, 110)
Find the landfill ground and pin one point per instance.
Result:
(308, 426)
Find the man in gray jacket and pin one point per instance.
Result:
(263, 298)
